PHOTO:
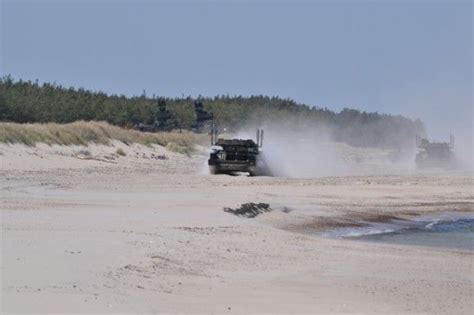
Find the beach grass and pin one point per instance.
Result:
(120, 152)
(84, 133)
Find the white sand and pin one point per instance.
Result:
(139, 234)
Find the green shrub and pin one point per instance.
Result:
(120, 152)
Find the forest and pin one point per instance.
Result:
(29, 102)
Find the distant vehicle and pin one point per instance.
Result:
(204, 119)
(435, 154)
(164, 120)
(237, 155)
(147, 127)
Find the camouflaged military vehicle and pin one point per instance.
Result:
(237, 155)
(165, 120)
(435, 154)
(204, 120)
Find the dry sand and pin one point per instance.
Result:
(134, 234)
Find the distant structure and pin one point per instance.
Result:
(204, 120)
(164, 120)
(435, 154)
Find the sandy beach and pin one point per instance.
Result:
(86, 230)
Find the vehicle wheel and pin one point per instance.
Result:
(213, 170)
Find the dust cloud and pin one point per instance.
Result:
(464, 151)
(313, 153)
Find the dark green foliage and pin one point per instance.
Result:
(26, 101)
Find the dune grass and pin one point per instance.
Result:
(120, 152)
(84, 133)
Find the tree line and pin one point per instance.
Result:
(27, 102)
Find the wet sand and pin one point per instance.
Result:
(141, 234)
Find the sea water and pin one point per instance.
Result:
(449, 230)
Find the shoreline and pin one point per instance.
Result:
(450, 230)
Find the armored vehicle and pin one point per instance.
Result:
(204, 119)
(165, 120)
(237, 155)
(435, 154)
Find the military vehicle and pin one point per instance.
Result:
(204, 119)
(164, 120)
(237, 155)
(435, 154)
(147, 127)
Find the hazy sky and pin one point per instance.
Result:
(402, 57)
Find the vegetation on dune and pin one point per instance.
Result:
(120, 152)
(178, 148)
(83, 133)
(30, 102)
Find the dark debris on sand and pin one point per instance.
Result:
(250, 210)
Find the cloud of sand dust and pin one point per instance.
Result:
(464, 151)
(312, 153)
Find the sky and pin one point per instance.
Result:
(401, 57)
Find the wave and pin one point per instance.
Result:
(445, 222)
